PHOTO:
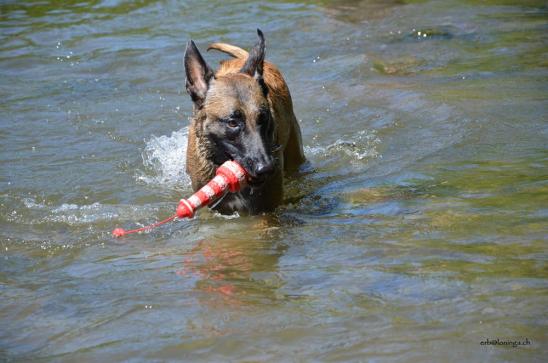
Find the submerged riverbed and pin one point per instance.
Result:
(417, 232)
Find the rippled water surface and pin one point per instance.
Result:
(418, 231)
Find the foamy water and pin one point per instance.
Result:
(33, 212)
(358, 146)
(164, 160)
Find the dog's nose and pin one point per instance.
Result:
(264, 168)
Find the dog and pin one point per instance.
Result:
(242, 112)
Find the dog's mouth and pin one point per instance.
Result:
(256, 182)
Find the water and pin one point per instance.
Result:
(418, 231)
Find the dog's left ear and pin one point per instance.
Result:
(254, 64)
(198, 74)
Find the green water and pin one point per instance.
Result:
(418, 231)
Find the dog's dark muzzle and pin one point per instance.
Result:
(259, 171)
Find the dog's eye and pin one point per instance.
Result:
(235, 120)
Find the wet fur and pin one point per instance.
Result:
(202, 151)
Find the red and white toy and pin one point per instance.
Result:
(229, 177)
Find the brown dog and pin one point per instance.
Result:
(244, 113)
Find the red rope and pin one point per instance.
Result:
(119, 232)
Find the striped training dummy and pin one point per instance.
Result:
(229, 177)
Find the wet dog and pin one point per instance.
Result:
(242, 112)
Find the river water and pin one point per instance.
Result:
(417, 231)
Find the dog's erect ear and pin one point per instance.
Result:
(198, 74)
(254, 63)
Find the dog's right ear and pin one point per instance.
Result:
(254, 63)
(198, 74)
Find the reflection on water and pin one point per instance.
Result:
(416, 231)
(241, 269)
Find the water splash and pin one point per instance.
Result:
(164, 159)
(359, 147)
(29, 211)
(234, 215)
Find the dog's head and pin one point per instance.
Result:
(232, 111)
